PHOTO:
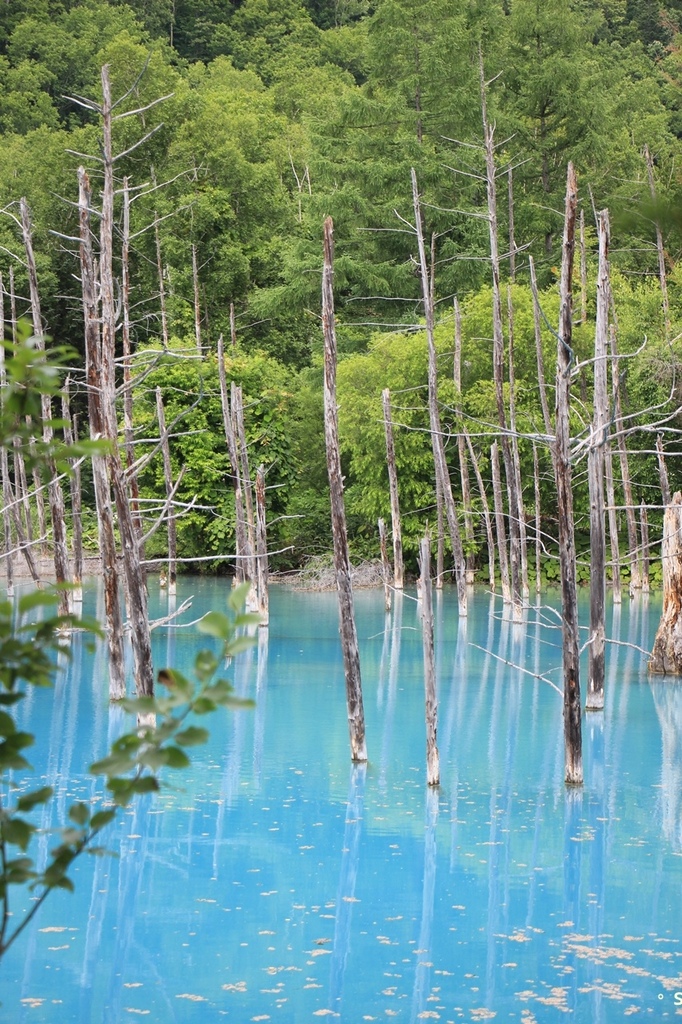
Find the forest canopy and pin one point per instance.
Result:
(279, 113)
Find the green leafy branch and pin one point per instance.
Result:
(160, 740)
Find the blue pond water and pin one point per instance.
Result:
(277, 882)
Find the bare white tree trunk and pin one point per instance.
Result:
(385, 565)
(462, 448)
(71, 435)
(398, 570)
(349, 637)
(241, 567)
(499, 524)
(168, 479)
(262, 549)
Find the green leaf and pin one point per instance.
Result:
(11, 698)
(71, 836)
(203, 705)
(145, 784)
(238, 596)
(37, 599)
(114, 764)
(239, 644)
(102, 818)
(177, 758)
(37, 796)
(205, 664)
(174, 680)
(7, 726)
(17, 832)
(215, 624)
(140, 705)
(79, 813)
(192, 736)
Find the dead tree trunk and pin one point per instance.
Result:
(538, 521)
(4, 461)
(55, 494)
(666, 656)
(168, 479)
(498, 361)
(385, 565)
(630, 518)
(240, 435)
(241, 567)
(98, 431)
(512, 240)
(128, 429)
(70, 435)
(583, 270)
(537, 323)
(486, 511)
(660, 248)
(136, 592)
(349, 638)
(569, 599)
(398, 570)
(663, 471)
(197, 306)
(431, 700)
(516, 458)
(262, 549)
(595, 473)
(644, 533)
(162, 289)
(462, 449)
(440, 538)
(613, 525)
(437, 444)
(499, 524)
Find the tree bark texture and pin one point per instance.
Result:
(396, 530)
(168, 480)
(502, 549)
(595, 477)
(70, 435)
(569, 600)
(385, 565)
(431, 700)
(437, 444)
(349, 638)
(462, 448)
(261, 548)
(241, 567)
(666, 655)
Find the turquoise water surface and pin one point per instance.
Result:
(276, 882)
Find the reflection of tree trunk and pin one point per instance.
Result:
(423, 972)
(668, 702)
(345, 896)
(666, 656)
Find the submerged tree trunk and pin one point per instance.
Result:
(569, 599)
(385, 565)
(613, 525)
(462, 449)
(515, 456)
(431, 700)
(349, 638)
(499, 524)
(666, 656)
(241, 567)
(240, 435)
(538, 521)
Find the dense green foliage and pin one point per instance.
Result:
(281, 113)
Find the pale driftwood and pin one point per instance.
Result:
(660, 248)
(55, 494)
(663, 471)
(168, 480)
(396, 530)
(666, 656)
(437, 444)
(573, 760)
(462, 448)
(197, 306)
(498, 361)
(486, 510)
(70, 435)
(385, 565)
(628, 498)
(595, 477)
(431, 700)
(617, 590)
(349, 638)
(261, 549)
(241, 568)
(98, 431)
(502, 550)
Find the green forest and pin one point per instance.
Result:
(276, 114)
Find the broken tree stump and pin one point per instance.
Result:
(666, 656)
